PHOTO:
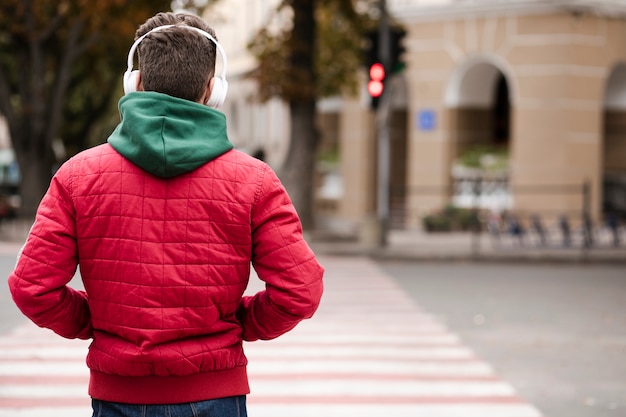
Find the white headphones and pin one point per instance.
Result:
(220, 85)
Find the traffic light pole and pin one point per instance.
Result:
(382, 127)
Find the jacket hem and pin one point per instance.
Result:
(169, 389)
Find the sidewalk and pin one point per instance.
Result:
(421, 246)
(416, 245)
(13, 235)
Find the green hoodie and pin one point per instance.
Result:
(168, 136)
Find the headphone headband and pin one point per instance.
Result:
(220, 84)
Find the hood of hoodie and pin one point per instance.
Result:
(168, 136)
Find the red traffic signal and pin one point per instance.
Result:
(377, 72)
(375, 86)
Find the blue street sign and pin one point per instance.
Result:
(426, 120)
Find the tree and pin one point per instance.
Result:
(316, 56)
(61, 65)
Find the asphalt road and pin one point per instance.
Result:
(557, 333)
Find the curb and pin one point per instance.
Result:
(422, 254)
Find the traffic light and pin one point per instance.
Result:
(397, 50)
(372, 61)
(372, 53)
(376, 84)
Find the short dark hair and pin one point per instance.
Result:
(176, 61)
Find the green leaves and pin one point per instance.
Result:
(336, 49)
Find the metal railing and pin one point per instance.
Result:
(484, 206)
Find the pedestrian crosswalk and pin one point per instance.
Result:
(42, 374)
(369, 351)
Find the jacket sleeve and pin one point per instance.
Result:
(284, 261)
(46, 265)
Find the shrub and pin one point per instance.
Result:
(451, 218)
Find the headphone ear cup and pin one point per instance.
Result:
(218, 93)
(130, 81)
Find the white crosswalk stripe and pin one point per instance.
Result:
(369, 351)
(42, 374)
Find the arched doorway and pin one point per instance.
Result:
(479, 100)
(614, 152)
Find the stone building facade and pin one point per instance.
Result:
(538, 87)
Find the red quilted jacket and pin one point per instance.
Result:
(165, 262)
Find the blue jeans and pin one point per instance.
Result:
(221, 407)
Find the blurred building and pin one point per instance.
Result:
(261, 129)
(529, 96)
